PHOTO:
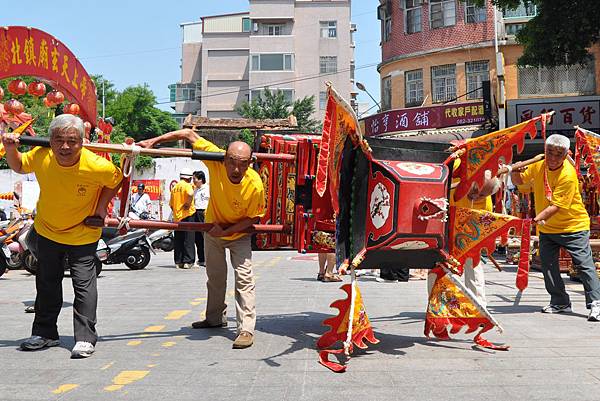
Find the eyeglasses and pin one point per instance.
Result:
(241, 163)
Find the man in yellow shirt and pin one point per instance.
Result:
(182, 205)
(562, 221)
(237, 201)
(74, 184)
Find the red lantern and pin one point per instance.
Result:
(108, 129)
(72, 108)
(13, 106)
(47, 103)
(87, 127)
(1, 93)
(17, 87)
(55, 97)
(36, 89)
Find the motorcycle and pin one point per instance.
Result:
(4, 251)
(133, 248)
(162, 239)
(13, 242)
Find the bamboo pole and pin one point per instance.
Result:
(180, 226)
(168, 152)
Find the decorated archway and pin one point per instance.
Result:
(32, 52)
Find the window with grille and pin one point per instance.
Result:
(525, 9)
(414, 87)
(413, 15)
(271, 62)
(327, 64)
(474, 12)
(561, 80)
(477, 72)
(384, 13)
(322, 100)
(274, 30)
(443, 83)
(328, 29)
(442, 13)
(386, 93)
(513, 29)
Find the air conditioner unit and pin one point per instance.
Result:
(255, 27)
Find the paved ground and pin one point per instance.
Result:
(148, 352)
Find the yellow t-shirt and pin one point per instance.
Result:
(479, 204)
(229, 202)
(571, 216)
(182, 191)
(69, 194)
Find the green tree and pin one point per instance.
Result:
(560, 34)
(135, 116)
(273, 104)
(303, 110)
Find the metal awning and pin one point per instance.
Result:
(441, 135)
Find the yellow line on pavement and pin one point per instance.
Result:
(134, 342)
(177, 314)
(126, 377)
(151, 365)
(195, 303)
(168, 343)
(64, 388)
(154, 329)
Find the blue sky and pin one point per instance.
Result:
(132, 42)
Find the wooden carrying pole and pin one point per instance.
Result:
(181, 226)
(516, 166)
(168, 152)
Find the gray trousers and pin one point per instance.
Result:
(578, 246)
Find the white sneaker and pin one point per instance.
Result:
(82, 349)
(594, 315)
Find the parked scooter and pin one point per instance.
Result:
(4, 251)
(162, 239)
(13, 236)
(132, 248)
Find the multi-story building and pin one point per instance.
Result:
(289, 45)
(186, 94)
(440, 51)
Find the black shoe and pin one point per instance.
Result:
(203, 324)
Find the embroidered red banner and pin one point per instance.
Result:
(361, 328)
(472, 230)
(484, 153)
(340, 123)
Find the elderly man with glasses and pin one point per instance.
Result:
(237, 201)
(562, 221)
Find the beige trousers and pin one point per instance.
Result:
(240, 252)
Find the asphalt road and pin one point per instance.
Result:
(147, 350)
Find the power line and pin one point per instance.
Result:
(267, 84)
